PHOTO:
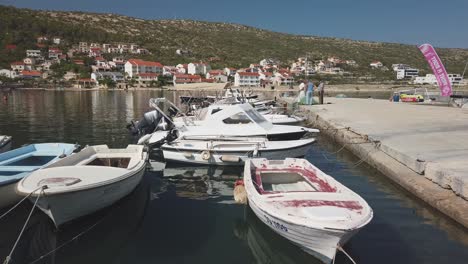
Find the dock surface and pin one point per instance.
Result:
(431, 141)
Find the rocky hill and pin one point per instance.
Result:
(227, 44)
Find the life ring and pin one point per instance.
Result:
(205, 155)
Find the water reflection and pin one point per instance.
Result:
(265, 245)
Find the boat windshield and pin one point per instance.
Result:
(255, 116)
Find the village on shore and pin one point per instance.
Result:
(116, 65)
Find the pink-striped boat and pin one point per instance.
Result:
(305, 205)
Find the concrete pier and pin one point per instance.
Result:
(422, 148)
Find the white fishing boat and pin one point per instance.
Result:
(303, 204)
(85, 182)
(5, 143)
(205, 150)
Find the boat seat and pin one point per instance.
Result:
(300, 186)
(16, 158)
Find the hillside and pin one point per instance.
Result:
(235, 45)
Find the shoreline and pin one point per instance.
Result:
(340, 88)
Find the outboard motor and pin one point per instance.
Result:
(148, 124)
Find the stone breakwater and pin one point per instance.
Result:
(422, 148)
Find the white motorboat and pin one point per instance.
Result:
(208, 112)
(233, 121)
(5, 143)
(303, 204)
(85, 182)
(205, 150)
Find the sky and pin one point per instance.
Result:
(442, 23)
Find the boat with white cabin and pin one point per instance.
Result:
(85, 182)
(19, 163)
(304, 205)
(239, 120)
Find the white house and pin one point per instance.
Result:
(182, 68)
(283, 78)
(217, 75)
(56, 40)
(17, 66)
(198, 68)
(169, 70)
(8, 73)
(247, 79)
(54, 53)
(455, 79)
(135, 67)
(408, 73)
(266, 78)
(230, 71)
(33, 53)
(115, 76)
(400, 66)
(376, 64)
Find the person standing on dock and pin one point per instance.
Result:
(310, 93)
(301, 92)
(321, 90)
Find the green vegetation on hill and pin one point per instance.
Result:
(234, 45)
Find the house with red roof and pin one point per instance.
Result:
(134, 67)
(10, 47)
(246, 79)
(376, 64)
(217, 75)
(31, 74)
(54, 53)
(17, 66)
(145, 79)
(182, 68)
(186, 78)
(284, 78)
(230, 71)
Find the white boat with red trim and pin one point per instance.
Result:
(305, 205)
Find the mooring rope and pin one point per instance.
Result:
(17, 204)
(69, 241)
(342, 250)
(8, 258)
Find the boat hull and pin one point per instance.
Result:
(5, 146)
(65, 207)
(8, 195)
(320, 243)
(219, 157)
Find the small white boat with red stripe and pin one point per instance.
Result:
(304, 205)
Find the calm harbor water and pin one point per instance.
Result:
(187, 215)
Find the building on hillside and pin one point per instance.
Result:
(134, 67)
(8, 73)
(70, 75)
(114, 76)
(33, 53)
(266, 78)
(198, 68)
(56, 40)
(42, 39)
(217, 75)
(31, 74)
(29, 61)
(230, 71)
(85, 83)
(182, 68)
(376, 64)
(54, 53)
(186, 78)
(283, 78)
(248, 79)
(142, 51)
(17, 66)
(147, 79)
(455, 79)
(408, 73)
(397, 67)
(169, 70)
